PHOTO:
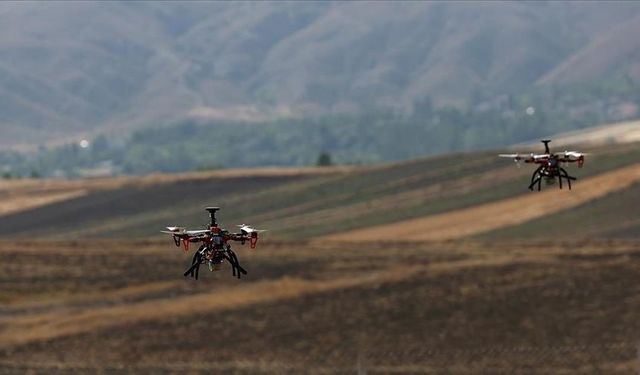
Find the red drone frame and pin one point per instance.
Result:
(216, 247)
(549, 165)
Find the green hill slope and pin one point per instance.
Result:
(308, 205)
(612, 216)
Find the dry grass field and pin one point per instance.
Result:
(322, 307)
(437, 265)
(28, 194)
(505, 213)
(422, 199)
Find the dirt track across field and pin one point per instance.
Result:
(50, 325)
(505, 213)
(27, 194)
(457, 306)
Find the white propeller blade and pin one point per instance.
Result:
(196, 232)
(574, 154)
(174, 230)
(248, 229)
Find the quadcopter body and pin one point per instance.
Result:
(549, 165)
(215, 246)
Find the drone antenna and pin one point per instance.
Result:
(546, 145)
(212, 213)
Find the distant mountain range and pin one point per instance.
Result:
(72, 70)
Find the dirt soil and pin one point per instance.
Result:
(501, 214)
(386, 307)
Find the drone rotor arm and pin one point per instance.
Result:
(519, 157)
(250, 234)
(575, 157)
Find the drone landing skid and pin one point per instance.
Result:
(195, 265)
(236, 269)
(215, 248)
(539, 174)
(230, 256)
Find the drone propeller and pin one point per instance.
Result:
(518, 158)
(246, 229)
(174, 230)
(511, 156)
(579, 157)
(537, 157)
(177, 233)
(252, 233)
(575, 154)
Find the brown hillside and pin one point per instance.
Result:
(23, 195)
(500, 214)
(461, 307)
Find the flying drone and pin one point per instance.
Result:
(549, 165)
(215, 247)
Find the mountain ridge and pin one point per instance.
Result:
(94, 68)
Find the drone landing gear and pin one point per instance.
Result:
(564, 174)
(195, 264)
(230, 256)
(237, 270)
(536, 177)
(539, 174)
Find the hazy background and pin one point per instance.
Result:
(395, 260)
(173, 86)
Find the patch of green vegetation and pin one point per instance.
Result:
(309, 206)
(6, 298)
(612, 216)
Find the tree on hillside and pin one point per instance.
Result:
(324, 160)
